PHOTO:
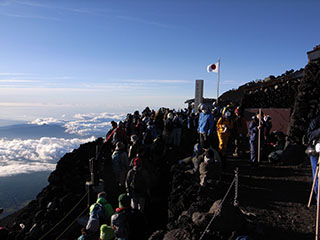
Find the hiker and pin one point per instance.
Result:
(268, 126)
(120, 163)
(127, 223)
(128, 124)
(199, 153)
(139, 127)
(137, 185)
(210, 167)
(100, 213)
(254, 132)
(133, 147)
(177, 130)
(120, 134)
(114, 125)
(240, 131)
(149, 134)
(224, 127)
(109, 137)
(102, 201)
(168, 129)
(313, 134)
(205, 125)
(159, 122)
(192, 120)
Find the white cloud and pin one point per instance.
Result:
(19, 15)
(165, 81)
(143, 21)
(25, 156)
(86, 124)
(17, 81)
(92, 124)
(43, 121)
(11, 74)
(26, 104)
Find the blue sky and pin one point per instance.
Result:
(62, 57)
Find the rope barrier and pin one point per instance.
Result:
(218, 210)
(72, 222)
(236, 186)
(65, 216)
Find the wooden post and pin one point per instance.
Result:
(318, 203)
(313, 184)
(259, 136)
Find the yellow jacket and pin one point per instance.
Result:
(224, 123)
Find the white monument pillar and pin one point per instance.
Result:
(198, 98)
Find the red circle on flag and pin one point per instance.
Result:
(213, 67)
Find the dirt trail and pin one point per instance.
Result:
(277, 195)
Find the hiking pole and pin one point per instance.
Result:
(259, 136)
(318, 205)
(313, 184)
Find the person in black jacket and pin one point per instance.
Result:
(128, 223)
(137, 185)
(313, 134)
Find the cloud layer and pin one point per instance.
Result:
(84, 124)
(26, 156)
(35, 155)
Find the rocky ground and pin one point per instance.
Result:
(275, 198)
(272, 203)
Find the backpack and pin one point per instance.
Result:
(275, 156)
(99, 212)
(119, 222)
(116, 161)
(93, 225)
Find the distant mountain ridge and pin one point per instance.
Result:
(33, 131)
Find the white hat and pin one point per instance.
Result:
(170, 115)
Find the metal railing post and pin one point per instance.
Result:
(236, 187)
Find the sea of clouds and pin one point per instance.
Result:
(34, 155)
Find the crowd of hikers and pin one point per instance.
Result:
(215, 132)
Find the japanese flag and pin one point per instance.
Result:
(213, 67)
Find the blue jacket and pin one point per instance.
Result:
(313, 131)
(205, 123)
(253, 130)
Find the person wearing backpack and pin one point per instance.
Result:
(100, 213)
(128, 223)
(119, 220)
(106, 207)
(120, 163)
(137, 185)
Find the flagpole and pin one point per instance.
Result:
(218, 80)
